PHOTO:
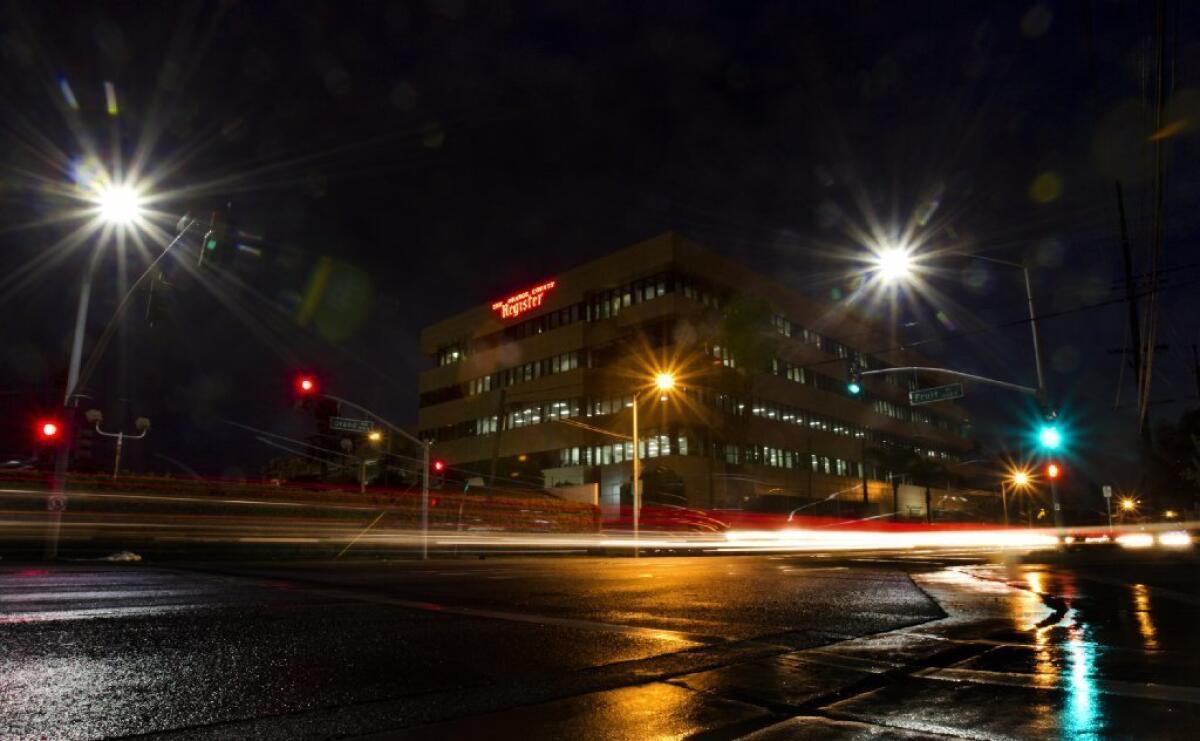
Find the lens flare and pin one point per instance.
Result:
(119, 204)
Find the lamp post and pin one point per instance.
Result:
(1128, 506)
(95, 417)
(897, 264)
(663, 382)
(117, 206)
(1016, 480)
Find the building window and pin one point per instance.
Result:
(449, 354)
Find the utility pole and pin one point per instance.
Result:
(1135, 325)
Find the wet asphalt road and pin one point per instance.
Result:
(771, 646)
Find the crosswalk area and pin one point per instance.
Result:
(31, 594)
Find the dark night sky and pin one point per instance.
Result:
(444, 153)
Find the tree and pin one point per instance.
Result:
(745, 333)
(1172, 462)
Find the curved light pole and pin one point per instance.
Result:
(897, 264)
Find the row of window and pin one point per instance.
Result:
(560, 363)
(536, 413)
(524, 415)
(651, 446)
(788, 328)
(677, 444)
(810, 377)
(803, 418)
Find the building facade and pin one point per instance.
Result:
(536, 389)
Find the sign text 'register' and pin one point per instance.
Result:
(519, 303)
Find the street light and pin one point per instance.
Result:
(664, 382)
(119, 204)
(1017, 479)
(893, 264)
(896, 263)
(95, 416)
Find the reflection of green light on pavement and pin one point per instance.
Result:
(1082, 717)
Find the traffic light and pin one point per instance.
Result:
(1049, 437)
(1053, 471)
(854, 385)
(307, 385)
(49, 431)
(216, 248)
(437, 468)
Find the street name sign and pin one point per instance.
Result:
(935, 393)
(345, 424)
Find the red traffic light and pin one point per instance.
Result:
(48, 429)
(306, 385)
(439, 465)
(1053, 471)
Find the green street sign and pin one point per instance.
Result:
(345, 424)
(935, 393)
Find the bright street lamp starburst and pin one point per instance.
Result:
(893, 264)
(665, 381)
(119, 204)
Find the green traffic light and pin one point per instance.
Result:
(210, 244)
(1050, 438)
(853, 388)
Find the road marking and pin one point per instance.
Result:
(516, 617)
(54, 616)
(1173, 693)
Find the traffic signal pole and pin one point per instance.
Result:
(425, 446)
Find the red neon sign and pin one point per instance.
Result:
(519, 303)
